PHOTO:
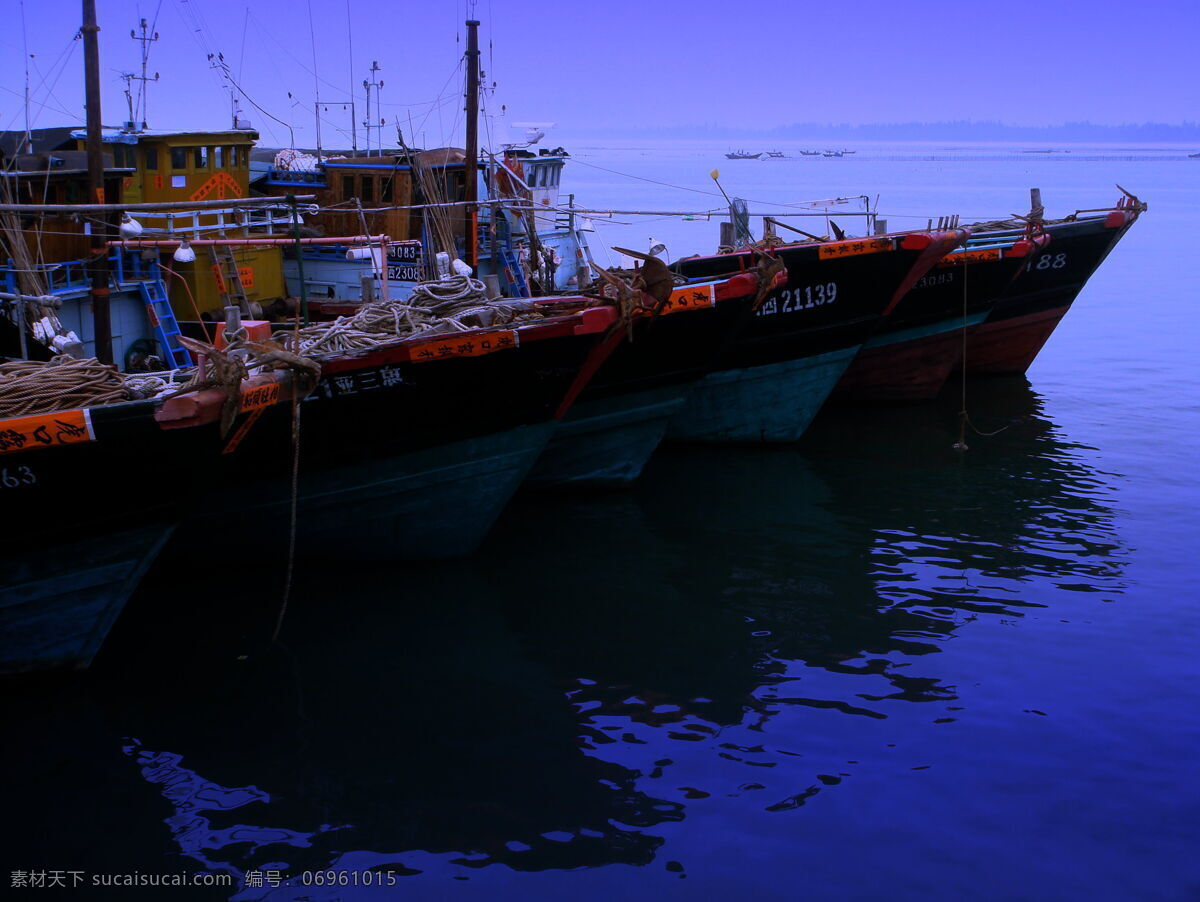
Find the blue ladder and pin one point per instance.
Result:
(513, 275)
(162, 318)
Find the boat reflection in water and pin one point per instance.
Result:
(745, 631)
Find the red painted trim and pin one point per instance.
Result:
(917, 241)
(595, 319)
(738, 286)
(937, 245)
(1027, 246)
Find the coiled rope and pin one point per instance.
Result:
(453, 304)
(30, 387)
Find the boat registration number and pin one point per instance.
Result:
(50, 430)
(15, 477)
(791, 300)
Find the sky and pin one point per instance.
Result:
(612, 63)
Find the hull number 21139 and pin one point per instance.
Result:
(791, 300)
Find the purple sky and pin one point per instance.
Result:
(614, 63)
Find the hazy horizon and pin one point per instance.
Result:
(620, 67)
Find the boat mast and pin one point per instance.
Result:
(471, 164)
(101, 320)
(353, 115)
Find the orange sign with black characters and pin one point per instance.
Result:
(960, 257)
(50, 430)
(690, 298)
(245, 273)
(462, 345)
(836, 249)
(259, 396)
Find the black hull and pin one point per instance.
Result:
(1027, 311)
(86, 519)
(403, 457)
(829, 304)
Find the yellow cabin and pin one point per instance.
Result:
(191, 166)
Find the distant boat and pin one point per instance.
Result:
(1194, 156)
(810, 153)
(775, 155)
(742, 155)
(832, 153)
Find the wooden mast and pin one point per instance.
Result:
(101, 314)
(471, 163)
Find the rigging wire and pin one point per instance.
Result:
(770, 203)
(61, 63)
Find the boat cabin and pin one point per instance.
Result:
(189, 166)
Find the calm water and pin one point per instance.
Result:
(863, 667)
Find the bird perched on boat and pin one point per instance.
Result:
(654, 277)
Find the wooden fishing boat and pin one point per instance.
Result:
(622, 415)
(411, 450)
(93, 494)
(772, 377)
(1028, 310)
(920, 343)
(742, 155)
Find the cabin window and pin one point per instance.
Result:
(368, 188)
(347, 187)
(245, 157)
(179, 157)
(385, 190)
(218, 157)
(152, 158)
(200, 157)
(231, 156)
(73, 193)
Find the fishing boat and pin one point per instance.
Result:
(773, 376)
(622, 416)
(742, 155)
(97, 490)
(411, 445)
(1028, 310)
(921, 341)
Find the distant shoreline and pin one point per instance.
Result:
(1068, 133)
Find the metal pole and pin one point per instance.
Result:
(299, 258)
(471, 163)
(101, 315)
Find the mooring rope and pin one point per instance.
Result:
(964, 418)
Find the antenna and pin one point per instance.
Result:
(316, 79)
(128, 77)
(142, 102)
(28, 141)
(378, 86)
